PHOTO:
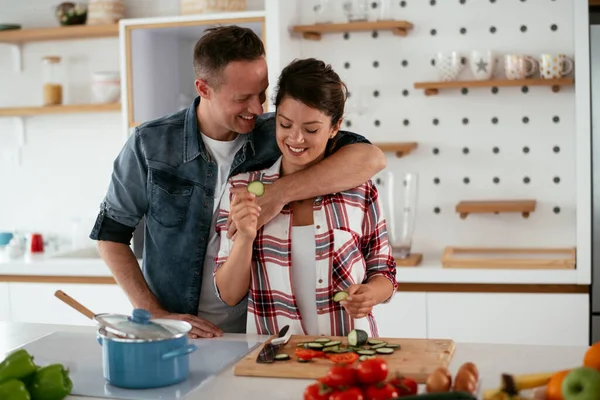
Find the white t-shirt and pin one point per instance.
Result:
(229, 319)
(304, 276)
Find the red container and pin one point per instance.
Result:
(36, 243)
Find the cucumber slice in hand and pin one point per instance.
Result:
(339, 296)
(257, 188)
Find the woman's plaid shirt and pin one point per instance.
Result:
(351, 247)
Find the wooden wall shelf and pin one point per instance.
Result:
(18, 36)
(64, 109)
(401, 149)
(509, 258)
(413, 260)
(432, 88)
(524, 207)
(314, 32)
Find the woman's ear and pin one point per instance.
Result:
(335, 129)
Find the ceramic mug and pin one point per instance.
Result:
(517, 66)
(483, 64)
(554, 66)
(449, 65)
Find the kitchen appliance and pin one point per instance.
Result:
(415, 358)
(269, 351)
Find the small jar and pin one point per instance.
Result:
(53, 89)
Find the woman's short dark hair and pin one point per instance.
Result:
(315, 84)
(221, 45)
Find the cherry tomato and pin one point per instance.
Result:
(372, 370)
(317, 391)
(405, 386)
(341, 376)
(349, 394)
(380, 391)
(343, 358)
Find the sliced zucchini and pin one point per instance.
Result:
(375, 341)
(342, 350)
(392, 346)
(332, 343)
(363, 358)
(302, 344)
(322, 340)
(331, 349)
(384, 350)
(315, 345)
(304, 360)
(282, 357)
(378, 345)
(339, 296)
(366, 352)
(257, 188)
(357, 337)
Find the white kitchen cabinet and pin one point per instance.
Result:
(512, 318)
(403, 317)
(4, 302)
(35, 302)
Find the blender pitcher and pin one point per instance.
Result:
(400, 205)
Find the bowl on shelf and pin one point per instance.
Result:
(69, 13)
(106, 86)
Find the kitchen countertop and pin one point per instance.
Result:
(430, 271)
(492, 360)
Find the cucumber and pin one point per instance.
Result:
(439, 396)
(315, 345)
(392, 346)
(332, 343)
(322, 340)
(363, 358)
(366, 352)
(384, 350)
(341, 351)
(339, 296)
(304, 360)
(375, 341)
(357, 337)
(378, 345)
(257, 188)
(302, 344)
(331, 349)
(282, 357)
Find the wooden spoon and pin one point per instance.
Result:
(75, 304)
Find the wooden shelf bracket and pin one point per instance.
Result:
(525, 207)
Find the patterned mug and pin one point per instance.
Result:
(517, 66)
(449, 65)
(554, 66)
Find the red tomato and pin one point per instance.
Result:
(381, 391)
(317, 391)
(341, 375)
(350, 394)
(307, 354)
(405, 386)
(372, 370)
(343, 358)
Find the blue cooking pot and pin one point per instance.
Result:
(143, 353)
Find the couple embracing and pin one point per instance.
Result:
(223, 258)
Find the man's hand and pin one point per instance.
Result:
(270, 205)
(201, 328)
(360, 301)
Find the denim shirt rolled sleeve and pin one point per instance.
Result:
(126, 200)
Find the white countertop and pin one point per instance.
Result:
(430, 271)
(492, 361)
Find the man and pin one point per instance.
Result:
(173, 171)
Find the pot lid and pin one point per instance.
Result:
(137, 326)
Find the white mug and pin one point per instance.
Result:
(517, 66)
(449, 65)
(554, 66)
(483, 64)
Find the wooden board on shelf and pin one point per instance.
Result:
(413, 260)
(416, 358)
(509, 258)
(432, 88)
(525, 207)
(59, 33)
(401, 149)
(59, 109)
(314, 32)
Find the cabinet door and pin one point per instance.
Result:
(35, 302)
(541, 319)
(403, 317)
(4, 302)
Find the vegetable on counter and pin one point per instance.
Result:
(17, 365)
(14, 389)
(51, 382)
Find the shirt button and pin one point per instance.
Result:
(318, 226)
(320, 280)
(206, 204)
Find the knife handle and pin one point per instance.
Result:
(282, 340)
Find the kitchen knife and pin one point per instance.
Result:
(268, 352)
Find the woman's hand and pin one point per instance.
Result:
(360, 301)
(245, 212)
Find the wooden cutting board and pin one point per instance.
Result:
(416, 358)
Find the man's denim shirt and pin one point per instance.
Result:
(165, 173)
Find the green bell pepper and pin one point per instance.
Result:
(17, 365)
(14, 389)
(51, 382)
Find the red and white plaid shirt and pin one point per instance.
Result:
(351, 247)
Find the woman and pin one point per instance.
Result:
(292, 267)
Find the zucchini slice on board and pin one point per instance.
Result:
(332, 343)
(282, 357)
(378, 345)
(257, 188)
(392, 346)
(375, 341)
(315, 345)
(357, 337)
(384, 350)
(304, 360)
(366, 352)
(339, 296)
(363, 358)
(322, 340)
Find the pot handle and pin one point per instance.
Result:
(182, 351)
(99, 340)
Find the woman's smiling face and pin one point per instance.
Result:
(302, 134)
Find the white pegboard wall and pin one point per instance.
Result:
(507, 143)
